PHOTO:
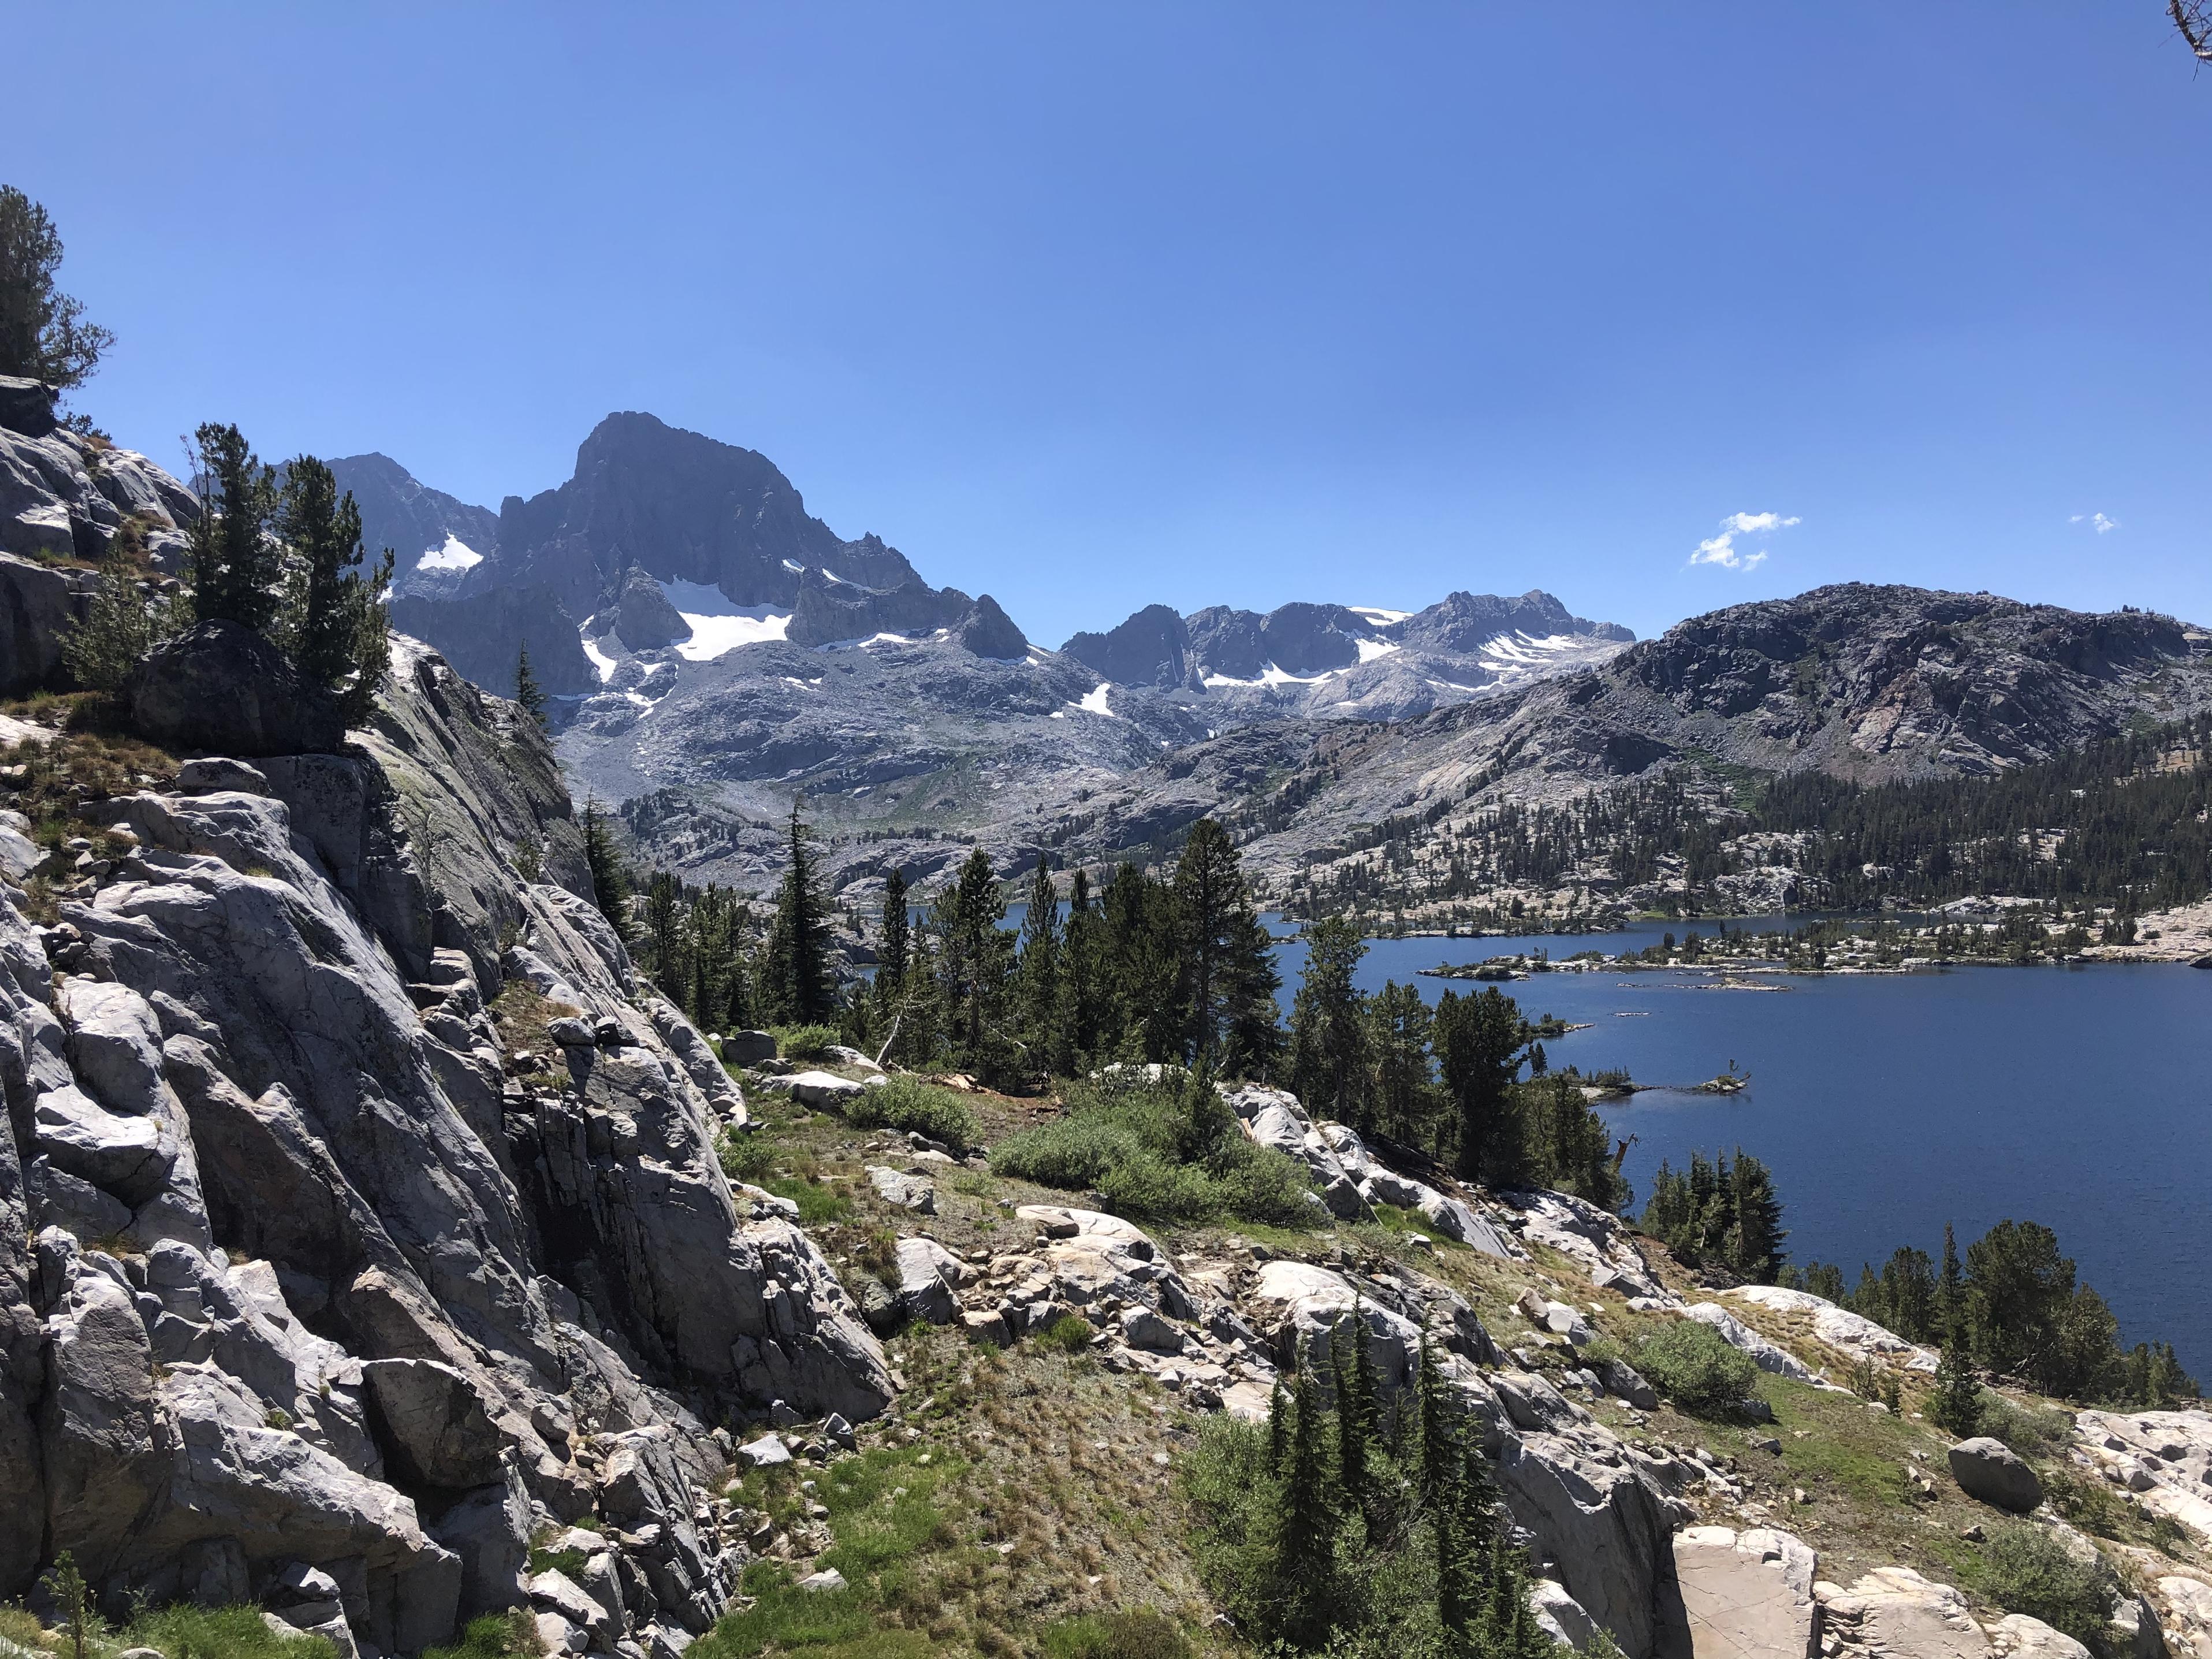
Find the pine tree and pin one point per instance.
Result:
(892, 960)
(1758, 1226)
(1478, 1041)
(609, 878)
(120, 626)
(235, 562)
(801, 988)
(1328, 1045)
(43, 333)
(1950, 1288)
(1225, 960)
(1255, 1043)
(1351, 1435)
(1956, 1406)
(340, 639)
(527, 691)
(1398, 1038)
(1138, 954)
(1039, 973)
(975, 958)
(664, 921)
(1080, 1012)
(1304, 1525)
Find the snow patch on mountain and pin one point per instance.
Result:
(1095, 701)
(453, 553)
(718, 626)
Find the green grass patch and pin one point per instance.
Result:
(818, 1202)
(885, 1517)
(1691, 1365)
(185, 1632)
(1864, 1452)
(509, 1635)
(1071, 1333)
(1169, 1152)
(1126, 1633)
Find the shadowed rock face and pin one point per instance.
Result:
(221, 686)
(369, 1295)
(682, 507)
(483, 637)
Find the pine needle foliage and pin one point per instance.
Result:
(1422, 1564)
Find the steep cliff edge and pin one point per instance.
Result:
(317, 1253)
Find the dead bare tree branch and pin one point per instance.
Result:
(2194, 19)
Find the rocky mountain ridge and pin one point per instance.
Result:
(1861, 682)
(678, 602)
(1333, 661)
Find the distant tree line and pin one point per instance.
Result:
(2122, 822)
(2014, 1307)
(1176, 968)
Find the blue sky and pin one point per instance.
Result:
(1094, 306)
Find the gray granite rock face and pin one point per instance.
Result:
(301, 1281)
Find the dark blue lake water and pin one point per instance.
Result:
(1886, 1106)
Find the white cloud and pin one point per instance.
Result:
(1750, 524)
(2096, 521)
(1722, 549)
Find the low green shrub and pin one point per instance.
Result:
(1693, 1365)
(1127, 1633)
(749, 1158)
(803, 1042)
(2027, 1570)
(1070, 1334)
(2027, 1430)
(1070, 1154)
(1170, 1150)
(908, 1104)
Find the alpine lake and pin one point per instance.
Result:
(1887, 1104)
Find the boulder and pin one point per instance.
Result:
(905, 1192)
(767, 1452)
(128, 1156)
(928, 1274)
(221, 686)
(211, 772)
(1747, 1593)
(554, 1591)
(828, 1579)
(748, 1048)
(820, 1089)
(432, 1423)
(26, 406)
(1143, 1328)
(1895, 1611)
(1624, 1380)
(1990, 1470)
(1778, 1361)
